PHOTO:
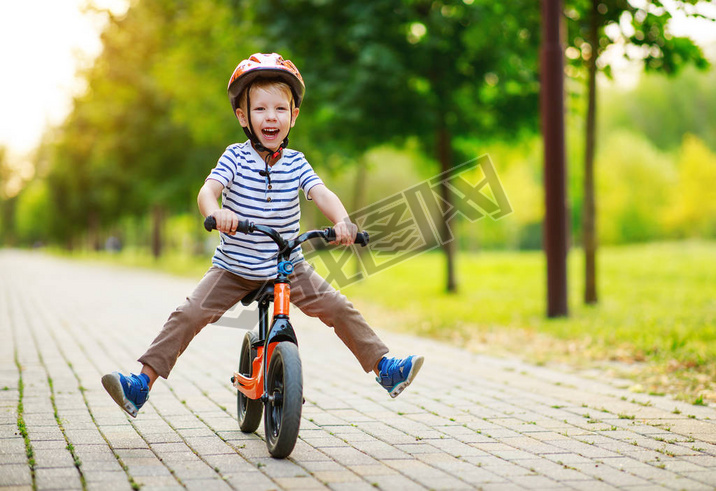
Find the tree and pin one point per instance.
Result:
(386, 70)
(121, 151)
(692, 212)
(594, 26)
(6, 201)
(665, 108)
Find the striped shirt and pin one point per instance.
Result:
(248, 194)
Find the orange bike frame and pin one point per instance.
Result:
(253, 387)
(281, 299)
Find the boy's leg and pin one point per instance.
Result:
(217, 292)
(151, 373)
(317, 298)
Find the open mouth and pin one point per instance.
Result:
(270, 133)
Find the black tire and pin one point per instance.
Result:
(248, 410)
(282, 417)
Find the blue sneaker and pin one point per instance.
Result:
(396, 374)
(130, 393)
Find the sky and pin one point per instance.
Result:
(43, 43)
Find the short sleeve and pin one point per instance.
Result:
(226, 167)
(308, 178)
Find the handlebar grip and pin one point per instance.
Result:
(362, 238)
(210, 223)
(244, 226)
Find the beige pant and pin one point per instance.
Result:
(220, 290)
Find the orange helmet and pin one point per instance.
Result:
(265, 65)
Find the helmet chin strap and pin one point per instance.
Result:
(260, 148)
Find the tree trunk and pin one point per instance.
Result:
(589, 208)
(556, 225)
(444, 155)
(8, 205)
(359, 199)
(93, 231)
(157, 226)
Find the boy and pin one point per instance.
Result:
(259, 180)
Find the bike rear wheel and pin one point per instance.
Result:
(248, 410)
(282, 417)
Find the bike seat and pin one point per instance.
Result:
(258, 294)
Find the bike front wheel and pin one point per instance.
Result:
(248, 410)
(282, 416)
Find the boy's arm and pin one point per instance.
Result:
(226, 220)
(332, 207)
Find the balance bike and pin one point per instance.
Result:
(270, 371)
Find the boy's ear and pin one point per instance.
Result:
(242, 117)
(294, 116)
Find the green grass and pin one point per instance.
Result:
(656, 300)
(21, 427)
(655, 320)
(656, 314)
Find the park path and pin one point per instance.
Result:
(468, 422)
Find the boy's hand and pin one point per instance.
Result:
(345, 232)
(226, 221)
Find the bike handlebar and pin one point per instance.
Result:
(246, 227)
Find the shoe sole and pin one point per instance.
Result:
(113, 387)
(414, 369)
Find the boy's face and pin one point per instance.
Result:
(272, 115)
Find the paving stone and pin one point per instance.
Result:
(191, 469)
(204, 484)
(426, 475)
(611, 475)
(707, 461)
(250, 480)
(146, 467)
(97, 466)
(12, 451)
(393, 481)
(680, 483)
(593, 485)
(163, 437)
(209, 445)
(351, 486)
(228, 463)
(322, 465)
(135, 453)
(157, 482)
(379, 450)
(706, 477)
(57, 478)
(333, 477)
(507, 469)
(116, 480)
(15, 475)
(302, 483)
(84, 437)
(533, 481)
(280, 468)
(53, 458)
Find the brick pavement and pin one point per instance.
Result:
(493, 423)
